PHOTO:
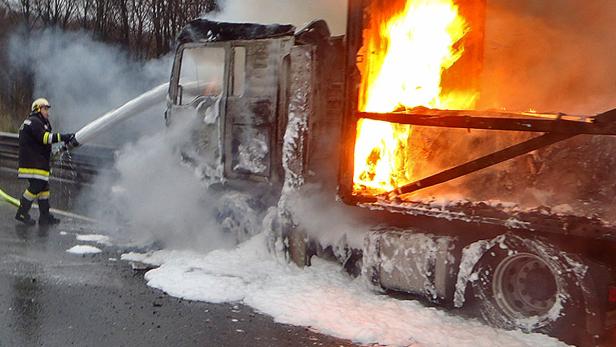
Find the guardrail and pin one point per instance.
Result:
(84, 164)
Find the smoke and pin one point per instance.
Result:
(550, 56)
(323, 218)
(296, 12)
(155, 197)
(151, 196)
(84, 79)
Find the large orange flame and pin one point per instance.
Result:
(421, 42)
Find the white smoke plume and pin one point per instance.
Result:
(83, 79)
(323, 218)
(296, 12)
(150, 196)
(157, 198)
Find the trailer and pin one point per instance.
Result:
(276, 110)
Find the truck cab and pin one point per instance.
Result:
(261, 98)
(236, 88)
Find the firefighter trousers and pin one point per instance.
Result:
(37, 189)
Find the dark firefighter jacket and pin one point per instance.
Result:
(35, 139)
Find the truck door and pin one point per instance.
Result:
(198, 86)
(253, 108)
(238, 89)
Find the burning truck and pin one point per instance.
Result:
(385, 118)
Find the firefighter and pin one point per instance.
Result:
(35, 139)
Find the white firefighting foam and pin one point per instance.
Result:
(321, 297)
(83, 249)
(102, 239)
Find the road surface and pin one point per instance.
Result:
(53, 298)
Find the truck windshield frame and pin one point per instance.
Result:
(200, 71)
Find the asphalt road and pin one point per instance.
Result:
(49, 297)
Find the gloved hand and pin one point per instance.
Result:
(69, 140)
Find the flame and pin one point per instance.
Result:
(383, 145)
(422, 42)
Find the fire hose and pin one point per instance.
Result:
(132, 107)
(11, 200)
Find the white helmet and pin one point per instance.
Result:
(39, 103)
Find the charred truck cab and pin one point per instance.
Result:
(261, 94)
(230, 75)
(278, 108)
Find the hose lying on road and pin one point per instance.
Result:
(11, 200)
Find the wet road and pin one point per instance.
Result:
(49, 297)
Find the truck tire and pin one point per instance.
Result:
(529, 285)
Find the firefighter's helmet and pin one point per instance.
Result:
(40, 103)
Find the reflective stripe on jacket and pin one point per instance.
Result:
(35, 139)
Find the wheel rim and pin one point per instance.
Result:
(525, 286)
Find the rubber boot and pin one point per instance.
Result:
(45, 217)
(23, 212)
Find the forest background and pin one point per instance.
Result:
(142, 29)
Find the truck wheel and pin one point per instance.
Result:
(528, 285)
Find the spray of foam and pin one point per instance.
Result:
(151, 196)
(131, 108)
(83, 79)
(157, 197)
(297, 12)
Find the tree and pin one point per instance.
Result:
(145, 28)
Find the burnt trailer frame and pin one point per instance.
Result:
(470, 224)
(559, 128)
(555, 128)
